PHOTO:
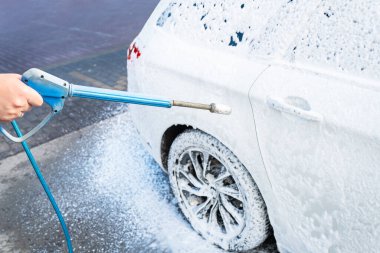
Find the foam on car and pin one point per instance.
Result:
(222, 23)
(321, 33)
(248, 28)
(342, 35)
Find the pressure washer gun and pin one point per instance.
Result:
(55, 91)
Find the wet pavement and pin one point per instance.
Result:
(113, 195)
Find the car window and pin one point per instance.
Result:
(342, 35)
(251, 27)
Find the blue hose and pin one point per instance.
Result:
(46, 187)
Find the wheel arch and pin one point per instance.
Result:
(172, 132)
(167, 140)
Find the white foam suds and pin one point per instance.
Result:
(130, 178)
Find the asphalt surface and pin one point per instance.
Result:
(113, 195)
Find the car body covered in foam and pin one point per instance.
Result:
(302, 79)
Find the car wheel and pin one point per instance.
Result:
(216, 193)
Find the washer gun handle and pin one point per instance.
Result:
(53, 91)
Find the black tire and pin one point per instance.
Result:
(245, 225)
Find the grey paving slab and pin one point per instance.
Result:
(39, 33)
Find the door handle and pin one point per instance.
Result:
(282, 105)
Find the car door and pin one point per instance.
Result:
(317, 121)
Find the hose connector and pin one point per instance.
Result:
(214, 108)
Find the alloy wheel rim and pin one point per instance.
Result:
(210, 194)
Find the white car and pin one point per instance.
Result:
(300, 151)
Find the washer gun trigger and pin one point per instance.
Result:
(53, 91)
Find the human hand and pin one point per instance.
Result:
(16, 98)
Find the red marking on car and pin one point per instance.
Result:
(133, 49)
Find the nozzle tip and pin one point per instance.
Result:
(220, 109)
